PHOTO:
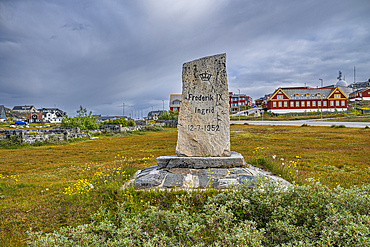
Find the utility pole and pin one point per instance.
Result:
(123, 109)
(163, 104)
(239, 103)
(321, 95)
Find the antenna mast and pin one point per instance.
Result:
(354, 74)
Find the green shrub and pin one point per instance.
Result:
(151, 128)
(173, 115)
(131, 123)
(83, 120)
(12, 142)
(121, 121)
(266, 215)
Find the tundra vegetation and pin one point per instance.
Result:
(70, 195)
(84, 120)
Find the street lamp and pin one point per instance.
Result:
(321, 95)
(163, 104)
(239, 103)
(123, 109)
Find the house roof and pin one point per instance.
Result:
(175, 97)
(151, 113)
(306, 93)
(359, 91)
(23, 107)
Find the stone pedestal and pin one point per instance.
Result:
(173, 161)
(188, 179)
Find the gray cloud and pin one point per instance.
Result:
(100, 54)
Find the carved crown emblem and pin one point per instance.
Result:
(205, 76)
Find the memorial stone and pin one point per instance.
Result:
(203, 127)
(203, 158)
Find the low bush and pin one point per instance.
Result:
(266, 215)
(15, 142)
(337, 126)
(122, 121)
(151, 128)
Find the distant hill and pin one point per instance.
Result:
(10, 114)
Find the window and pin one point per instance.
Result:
(343, 103)
(337, 96)
(331, 103)
(313, 103)
(280, 97)
(280, 104)
(285, 104)
(297, 104)
(308, 104)
(274, 104)
(302, 104)
(307, 95)
(324, 103)
(337, 103)
(292, 104)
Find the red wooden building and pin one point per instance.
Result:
(35, 117)
(238, 100)
(359, 95)
(175, 102)
(305, 99)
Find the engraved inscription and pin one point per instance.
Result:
(206, 127)
(203, 128)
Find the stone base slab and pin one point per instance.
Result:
(156, 177)
(173, 161)
(186, 178)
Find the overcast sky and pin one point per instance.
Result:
(101, 54)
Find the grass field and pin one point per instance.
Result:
(37, 183)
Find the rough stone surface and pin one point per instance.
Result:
(185, 178)
(149, 180)
(173, 180)
(173, 161)
(245, 179)
(203, 126)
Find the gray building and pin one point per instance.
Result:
(2, 112)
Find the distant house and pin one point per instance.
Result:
(153, 114)
(52, 115)
(175, 102)
(359, 95)
(35, 117)
(25, 109)
(305, 99)
(238, 100)
(2, 112)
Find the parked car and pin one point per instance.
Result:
(20, 123)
